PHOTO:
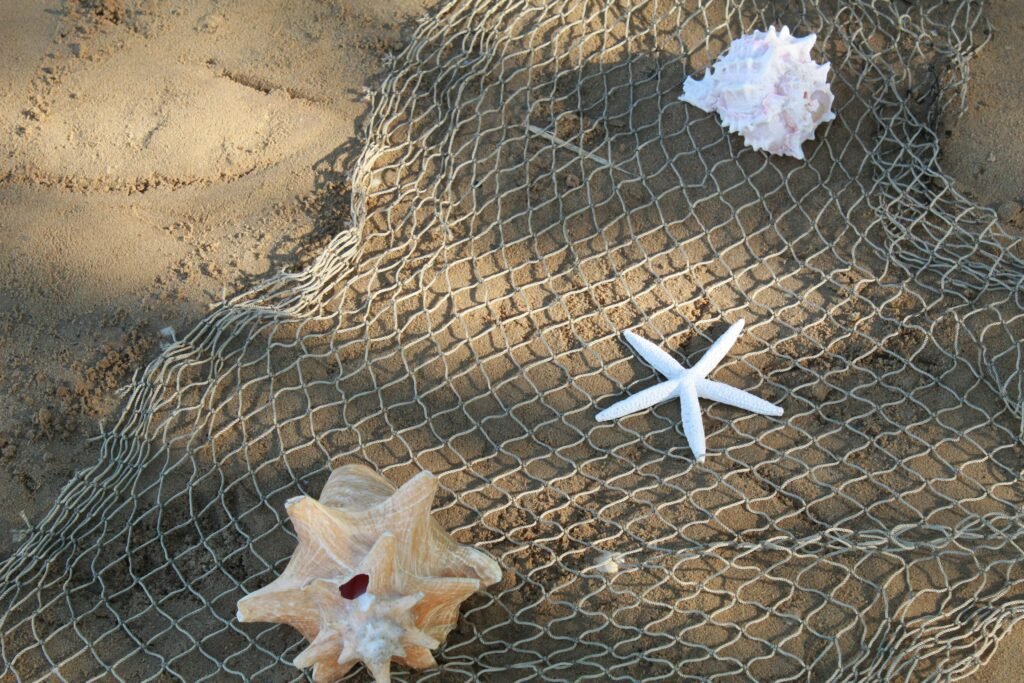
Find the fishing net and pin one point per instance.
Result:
(530, 187)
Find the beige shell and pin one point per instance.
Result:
(418, 576)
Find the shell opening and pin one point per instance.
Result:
(354, 587)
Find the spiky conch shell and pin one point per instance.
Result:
(418, 576)
(767, 88)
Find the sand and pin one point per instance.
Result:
(156, 159)
(984, 151)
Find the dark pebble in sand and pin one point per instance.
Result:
(1007, 211)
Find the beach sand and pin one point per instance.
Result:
(984, 152)
(155, 160)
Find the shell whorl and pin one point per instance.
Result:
(417, 576)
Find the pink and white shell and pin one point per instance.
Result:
(767, 88)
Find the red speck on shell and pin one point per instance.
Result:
(354, 587)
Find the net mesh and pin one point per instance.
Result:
(530, 187)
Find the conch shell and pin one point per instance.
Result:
(374, 579)
(767, 88)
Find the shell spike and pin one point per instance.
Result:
(379, 564)
(380, 670)
(318, 649)
(407, 602)
(417, 638)
(419, 657)
(348, 655)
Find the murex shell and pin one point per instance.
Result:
(767, 88)
(374, 579)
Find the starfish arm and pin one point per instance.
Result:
(651, 396)
(723, 393)
(717, 352)
(693, 425)
(655, 357)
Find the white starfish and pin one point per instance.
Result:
(689, 385)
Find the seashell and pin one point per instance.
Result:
(374, 579)
(767, 88)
